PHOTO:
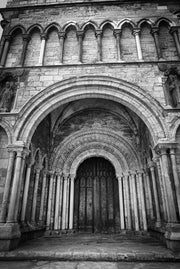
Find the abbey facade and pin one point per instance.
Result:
(90, 119)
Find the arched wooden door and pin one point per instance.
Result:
(96, 207)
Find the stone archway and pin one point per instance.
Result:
(108, 88)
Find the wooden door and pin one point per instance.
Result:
(96, 197)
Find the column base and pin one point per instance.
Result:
(9, 236)
(172, 237)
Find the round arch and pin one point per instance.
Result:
(95, 153)
(104, 87)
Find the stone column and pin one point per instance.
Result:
(57, 203)
(64, 204)
(99, 45)
(117, 34)
(2, 43)
(136, 33)
(5, 50)
(25, 194)
(142, 200)
(60, 202)
(80, 42)
(71, 212)
(174, 32)
(171, 212)
(42, 196)
(148, 188)
(176, 178)
(7, 187)
(157, 161)
(134, 194)
(16, 183)
(42, 50)
(50, 200)
(35, 194)
(67, 202)
(26, 39)
(121, 204)
(127, 201)
(61, 43)
(153, 177)
(155, 34)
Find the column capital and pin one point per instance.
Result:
(136, 31)
(155, 30)
(98, 33)
(151, 164)
(117, 32)
(80, 33)
(44, 36)
(61, 35)
(140, 172)
(126, 174)
(19, 147)
(7, 37)
(164, 146)
(173, 29)
(26, 37)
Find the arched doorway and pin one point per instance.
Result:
(96, 205)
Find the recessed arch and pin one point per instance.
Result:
(35, 27)
(148, 21)
(107, 23)
(89, 23)
(139, 101)
(16, 28)
(126, 21)
(53, 25)
(169, 22)
(71, 24)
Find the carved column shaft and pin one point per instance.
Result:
(127, 202)
(149, 196)
(142, 200)
(35, 194)
(99, 45)
(42, 49)
(174, 32)
(7, 186)
(71, 204)
(16, 185)
(26, 39)
(121, 204)
(80, 43)
(176, 178)
(134, 201)
(61, 43)
(136, 33)
(57, 203)
(155, 34)
(171, 212)
(25, 194)
(161, 187)
(117, 34)
(49, 200)
(42, 196)
(5, 50)
(153, 177)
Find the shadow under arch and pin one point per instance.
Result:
(76, 88)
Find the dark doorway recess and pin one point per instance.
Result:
(96, 197)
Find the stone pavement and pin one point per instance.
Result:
(87, 265)
(79, 251)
